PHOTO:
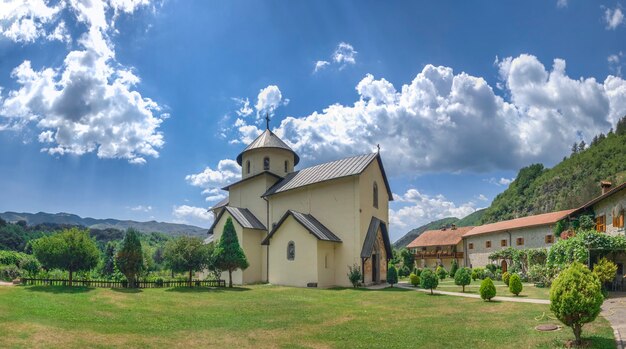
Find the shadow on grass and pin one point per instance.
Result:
(206, 289)
(126, 290)
(59, 289)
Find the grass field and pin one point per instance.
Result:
(272, 317)
(528, 291)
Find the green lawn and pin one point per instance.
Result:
(272, 317)
(529, 290)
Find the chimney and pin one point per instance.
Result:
(453, 227)
(606, 186)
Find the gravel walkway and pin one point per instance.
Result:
(614, 310)
(470, 295)
(4, 283)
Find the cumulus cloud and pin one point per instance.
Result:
(417, 209)
(212, 180)
(268, 100)
(615, 62)
(447, 121)
(26, 21)
(244, 106)
(89, 103)
(343, 56)
(613, 18)
(192, 215)
(500, 182)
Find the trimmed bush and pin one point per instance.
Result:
(505, 278)
(515, 284)
(428, 280)
(487, 289)
(454, 268)
(392, 275)
(462, 277)
(417, 271)
(478, 273)
(576, 297)
(441, 272)
(354, 275)
(414, 279)
(491, 267)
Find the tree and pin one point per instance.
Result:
(505, 277)
(392, 275)
(108, 267)
(605, 270)
(428, 280)
(355, 275)
(229, 256)
(515, 284)
(487, 289)
(574, 148)
(129, 258)
(462, 277)
(576, 297)
(441, 272)
(187, 254)
(71, 249)
(30, 264)
(453, 268)
(581, 146)
(414, 279)
(408, 259)
(621, 126)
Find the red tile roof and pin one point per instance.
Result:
(524, 222)
(439, 237)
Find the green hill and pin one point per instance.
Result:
(569, 184)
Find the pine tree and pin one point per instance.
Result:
(129, 258)
(109, 259)
(582, 146)
(228, 254)
(594, 141)
(574, 148)
(620, 129)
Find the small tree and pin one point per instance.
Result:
(129, 258)
(30, 264)
(392, 275)
(229, 255)
(453, 268)
(354, 275)
(515, 284)
(187, 254)
(428, 280)
(505, 277)
(108, 267)
(487, 289)
(605, 270)
(462, 278)
(576, 297)
(441, 272)
(71, 249)
(414, 279)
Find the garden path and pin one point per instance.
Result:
(468, 295)
(4, 283)
(614, 310)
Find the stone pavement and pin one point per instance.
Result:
(471, 295)
(614, 310)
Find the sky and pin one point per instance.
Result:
(136, 109)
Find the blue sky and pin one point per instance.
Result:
(131, 109)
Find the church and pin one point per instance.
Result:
(305, 227)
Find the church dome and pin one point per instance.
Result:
(268, 139)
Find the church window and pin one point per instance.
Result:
(291, 251)
(286, 166)
(375, 194)
(248, 167)
(266, 164)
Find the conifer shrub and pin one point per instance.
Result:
(417, 271)
(428, 280)
(462, 277)
(392, 275)
(515, 284)
(487, 289)
(414, 279)
(441, 272)
(453, 268)
(576, 297)
(505, 278)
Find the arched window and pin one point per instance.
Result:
(286, 166)
(291, 251)
(375, 195)
(266, 163)
(248, 167)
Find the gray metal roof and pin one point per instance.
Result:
(327, 171)
(227, 188)
(243, 216)
(370, 238)
(268, 139)
(309, 222)
(222, 203)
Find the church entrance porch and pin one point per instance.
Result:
(375, 253)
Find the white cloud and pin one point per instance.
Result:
(561, 3)
(482, 197)
(192, 215)
(212, 180)
(141, 208)
(26, 21)
(613, 18)
(444, 121)
(88, 104)
(344, 54)
(615, 62)
(319, 65)
(244, 106)
(268, 100)
(417, 209)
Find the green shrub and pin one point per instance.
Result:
(478, 273)
(487, 289)
(417, 271)
(515, 284)
(392, 275)
(576, 297)
(10, 272)
(30, 265)
(605, 270)
(428, 280)
(404, 271)
(491, 267)
(414, 279)
(453, 268)
(462, 277)
(354, 275)
(488, 274)
(505, 278)
(441, 272)
(11, 257)
(159, 281)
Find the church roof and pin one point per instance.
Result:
(243, 216)
(309, 222)
(222, 203)
(328, 171)
(268, 139)
(370, 238)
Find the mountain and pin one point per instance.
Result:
(569, 184)
(72, 219)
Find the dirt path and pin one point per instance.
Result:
(4, 283)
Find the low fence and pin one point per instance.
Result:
(123, 284)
